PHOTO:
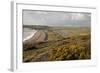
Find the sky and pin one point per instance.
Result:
(52, 18)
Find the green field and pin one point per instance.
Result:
(61, 44)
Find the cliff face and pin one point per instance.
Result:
(39, 36)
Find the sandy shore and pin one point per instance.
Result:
(38, 36)
(30, 36)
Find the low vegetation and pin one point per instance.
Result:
(62, 44)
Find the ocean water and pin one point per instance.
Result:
(28, 33)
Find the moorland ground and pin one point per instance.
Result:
(58, 44)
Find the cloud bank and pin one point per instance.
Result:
(51, 18)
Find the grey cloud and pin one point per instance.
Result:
(56, 18)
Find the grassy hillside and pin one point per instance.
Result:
(65, 43)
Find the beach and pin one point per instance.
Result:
(36, 36)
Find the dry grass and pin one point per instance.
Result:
(64, 44)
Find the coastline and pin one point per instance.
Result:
(37, 37)
(30, 36)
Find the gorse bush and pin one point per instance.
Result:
(70, 51)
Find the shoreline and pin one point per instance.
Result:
(37, 37)
(30, 36)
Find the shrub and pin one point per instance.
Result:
(82, 55)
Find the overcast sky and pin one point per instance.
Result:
(56, 18)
